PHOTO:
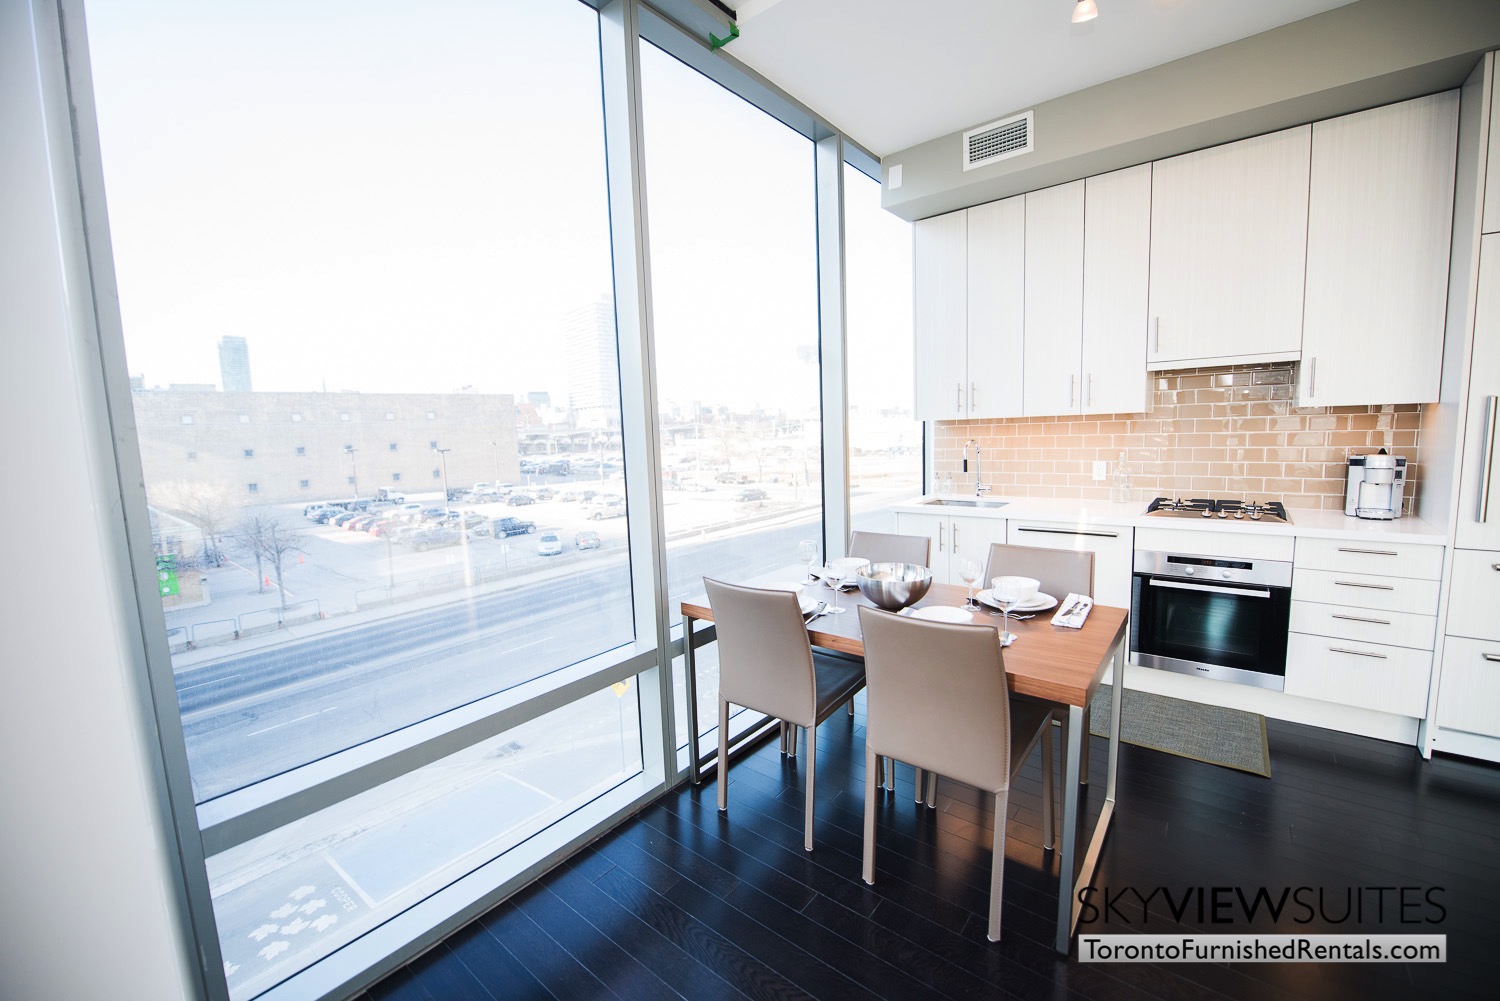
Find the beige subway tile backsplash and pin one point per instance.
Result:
(1210, 432)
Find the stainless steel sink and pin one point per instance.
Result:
(947, 502)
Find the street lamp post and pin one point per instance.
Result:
(443, 455)
(349, 450)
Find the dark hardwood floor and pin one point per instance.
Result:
(683, 901)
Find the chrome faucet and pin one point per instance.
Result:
(979, 487)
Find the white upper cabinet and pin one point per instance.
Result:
(1116, 272)
(968, 294)
(1378, 234)
(939, 302)
(997, 295)
(1054, 300)
(1491, 220)
(1479, 484)
(1228, 251)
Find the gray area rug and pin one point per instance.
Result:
(1232, 738)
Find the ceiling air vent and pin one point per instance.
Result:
(998, 141)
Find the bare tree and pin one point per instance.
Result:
(207, 505)
(265, 538)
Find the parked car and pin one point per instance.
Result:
(429, 538)
(342, 519)
(586, 539)
(544, 494)
(465, 519)
(519, 500)
(731, 478)
(434, 514)
(384, 527)
(360, 523)
(606, 507)
(750, 494)
(311, 511)
(549, 543)
(513, 526)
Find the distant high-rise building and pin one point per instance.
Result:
(234, 364)
(539, 399)
(593, 364)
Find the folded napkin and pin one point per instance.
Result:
(1073, 610)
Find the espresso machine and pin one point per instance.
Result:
(1376, 486)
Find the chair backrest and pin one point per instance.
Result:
(937, 697)
(1061, 571)
(881, 547)
(765, 660)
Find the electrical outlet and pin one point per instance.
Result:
(1100, 471)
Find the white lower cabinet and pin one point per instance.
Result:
(1469, 694)
(954, 538)
(1364, 622)
(1113, 551)
(1388, 679)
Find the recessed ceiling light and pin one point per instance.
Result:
(1085, 10)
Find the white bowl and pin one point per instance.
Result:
(1017, 589)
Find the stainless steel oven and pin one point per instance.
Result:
(1212, 617)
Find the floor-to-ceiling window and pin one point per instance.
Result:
(731, 209)
(364, 265)
(885, 439)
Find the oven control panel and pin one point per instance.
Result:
(1187, 566)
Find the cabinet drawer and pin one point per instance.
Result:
(1469, 692)
(1395, 559)
(1387, 679)
(1364, 624)
(1111, 546)
(1391, 594)
(1474, 608)
(1229, 545)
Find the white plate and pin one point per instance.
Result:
(806, 601)
(1040, 603)
(939, 613)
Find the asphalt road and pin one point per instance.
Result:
(251, 716)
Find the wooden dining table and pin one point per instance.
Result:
(1048, 662)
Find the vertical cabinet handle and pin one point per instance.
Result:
(1072, 384)
(958, 398)
(1156, 330)
(1312, 378)
(955, 539)
(1489, 459)
(973, 395)
(940, 537)
(1088, 396)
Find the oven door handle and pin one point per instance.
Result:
(1185, 586)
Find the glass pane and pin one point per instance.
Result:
(364, 271)
(885, 439)
(293, 896)
(734, 273)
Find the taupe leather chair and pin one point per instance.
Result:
(937, 697)
(766, 664)
(1061, 572)
(881, 547)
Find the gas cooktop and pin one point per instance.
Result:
(1268, 512)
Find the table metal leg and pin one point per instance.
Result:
(1069, 886)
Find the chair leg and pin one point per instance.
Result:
(869, 871)
(890, 773)
(997, 867)
(878, 776)
(921, 796)
(1048, 808)
(931, 790)
(812, 774)
(723, 755)
(851, 706)
(796, 731)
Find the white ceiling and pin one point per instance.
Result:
(894, 73)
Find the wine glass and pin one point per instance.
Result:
(808, 550)
(835, 578)
(1006, 603)
(968, 572)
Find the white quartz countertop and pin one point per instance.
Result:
(1083, 514)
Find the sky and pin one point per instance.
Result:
(392, 197)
